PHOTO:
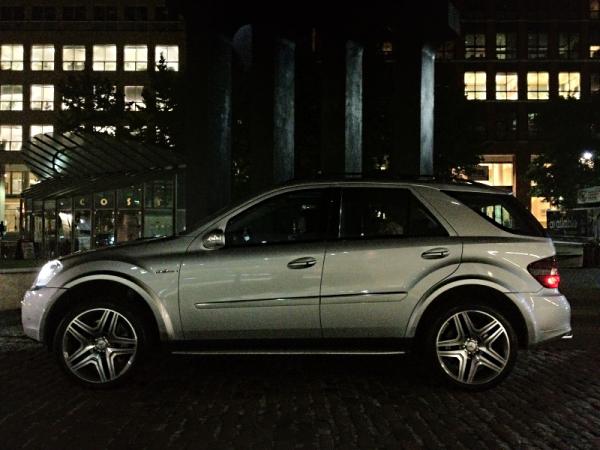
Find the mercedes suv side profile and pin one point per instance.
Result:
(460, 273)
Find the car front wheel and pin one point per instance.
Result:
(99, 343)
(472, 347)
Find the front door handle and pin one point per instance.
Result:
(302, 263)
(435, 253)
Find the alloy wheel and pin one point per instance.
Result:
(99, 345)
(473, 347)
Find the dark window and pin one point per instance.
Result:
(594, 83)
(594, 9)
(136, 13)
(532, 125)
(506, 125)
(502, 210)
(506, 45)
(74, 13)
(299, 216)
(474, 45)
(385, 212)
(164, 13)
(43, 13)
(12, 13)
(446, 50)
(537, 45)
(568, 45)
(105, 13)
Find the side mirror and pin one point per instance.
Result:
(213, 239)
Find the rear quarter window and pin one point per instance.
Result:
(504, 211)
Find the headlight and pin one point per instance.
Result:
(49, 271)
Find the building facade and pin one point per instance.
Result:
(512, 58)
(43, 43)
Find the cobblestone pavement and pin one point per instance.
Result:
(552, 400)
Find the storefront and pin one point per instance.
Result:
(97, 191)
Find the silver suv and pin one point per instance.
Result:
(461, 274)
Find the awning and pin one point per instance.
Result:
(78, 163)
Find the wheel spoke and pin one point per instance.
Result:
(82, 350)
(490, 352)
(485, 361)
(89, 359)
(449, 343)
(84, 330)
(472, 370)
(460, 333)
(491, 338)
(470, 328)
(461, 356)
(107, 321)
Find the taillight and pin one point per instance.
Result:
(546, 272)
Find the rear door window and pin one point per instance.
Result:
(504, 211)
(385, 213)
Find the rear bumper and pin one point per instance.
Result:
(548, 317)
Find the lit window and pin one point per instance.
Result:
(595, 51)
(569, 84)
(73, 57)
(40, 129)
(11, 97)
(111, 130)
(568, 45)
(475, 85)
(11, 57)
(498, 174)
(594, 9)
(42, 57)
(506, 45)
(538, 87)
(445, 51)
(11, 137)
(14, 182)
(42, 97)
(105, 57)
(475, 45)
(537, 45)
(507, 86)
(134, 101)
(170, 53)
(135, 58)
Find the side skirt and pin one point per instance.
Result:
(365, 346)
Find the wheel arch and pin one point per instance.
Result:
(483, 291)
(78, 289)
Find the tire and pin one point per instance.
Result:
(99, 343)
(472, 347)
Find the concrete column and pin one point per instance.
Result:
(427, 102)
(208, 124)
(284, 111)
(333, 107)
(354, 107)
(2, 196)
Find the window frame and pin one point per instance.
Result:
(475, 93)
(46, 63)
(16, 65)
(13, 104)
(505, 94)
(537, 92)
(136, 64)
(476, 49)
(103, 61)
(71, 64)
(570, 89)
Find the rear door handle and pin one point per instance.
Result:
(435, 253)
(302, 263)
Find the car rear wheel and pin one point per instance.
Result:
(99, 343)
(471, 346)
